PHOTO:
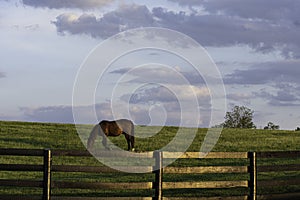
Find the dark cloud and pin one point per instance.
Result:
(86, 4)
(270, 72)
(2, 75)
(60, 114)
(111, 23)
(64, 114)
(211, 29)
(152, 94)
(273, 23)
(273, 10)
(240, 97)
(163, 75)
(284, 95)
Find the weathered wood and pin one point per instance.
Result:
(96, 169)
(289, 196)
(19, 197)
(203, 155)
(21, 183)
(208, 169)
(79, 153)
(204, 184)
(102, 185)
(208, 198)
(278, 168)
(253, 175)
(21, 167)
(158, 184)
(100, 198)
(272, 183)
(279, 154)
(47, 174)
(21, 152)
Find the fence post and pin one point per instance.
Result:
(47, 174)
(158, 175)
(253, 175)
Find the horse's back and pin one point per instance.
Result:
(117, 127)
(126, 125)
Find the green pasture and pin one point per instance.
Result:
(65, 136)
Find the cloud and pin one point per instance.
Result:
(286, 71)
(159, 74)
(64, 113)
(279, 82)
(284, 95)
(240, 97)
(57, 4)
(61, 114)
(168, 93)
(111, 23)
(2, 75)
(273, 10)
(211, 29)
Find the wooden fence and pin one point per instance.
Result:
(158, 186)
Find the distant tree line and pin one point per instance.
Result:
(271, 126)
(241, 117)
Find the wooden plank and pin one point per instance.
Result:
(79, 153)
(124, 154)
(21, 152)
(100, 198)
(108, 154)
(97, 169)
(278, 168)
(272, 183)
(279, 154)
(208, 198)
(102, 185)
(205, 155)
(207, 169)
(19, 197)
(24, 197)
(21, 183)
(21, 167)
(204, 184)
(289, 196)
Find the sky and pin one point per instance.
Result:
(254, 44)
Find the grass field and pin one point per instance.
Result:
(64, 136)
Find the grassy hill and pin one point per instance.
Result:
(65, 136)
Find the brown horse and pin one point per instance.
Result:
(112, 128)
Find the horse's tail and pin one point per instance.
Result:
(93, 136)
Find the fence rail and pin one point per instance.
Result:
(158, 185)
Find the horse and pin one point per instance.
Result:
(112, 128)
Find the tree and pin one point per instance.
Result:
(271, 126)
(297, 129)
(239, 117)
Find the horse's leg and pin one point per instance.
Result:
(132, 142)
(127, 139)
(132, 137)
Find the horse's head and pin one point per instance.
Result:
(92, 137)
